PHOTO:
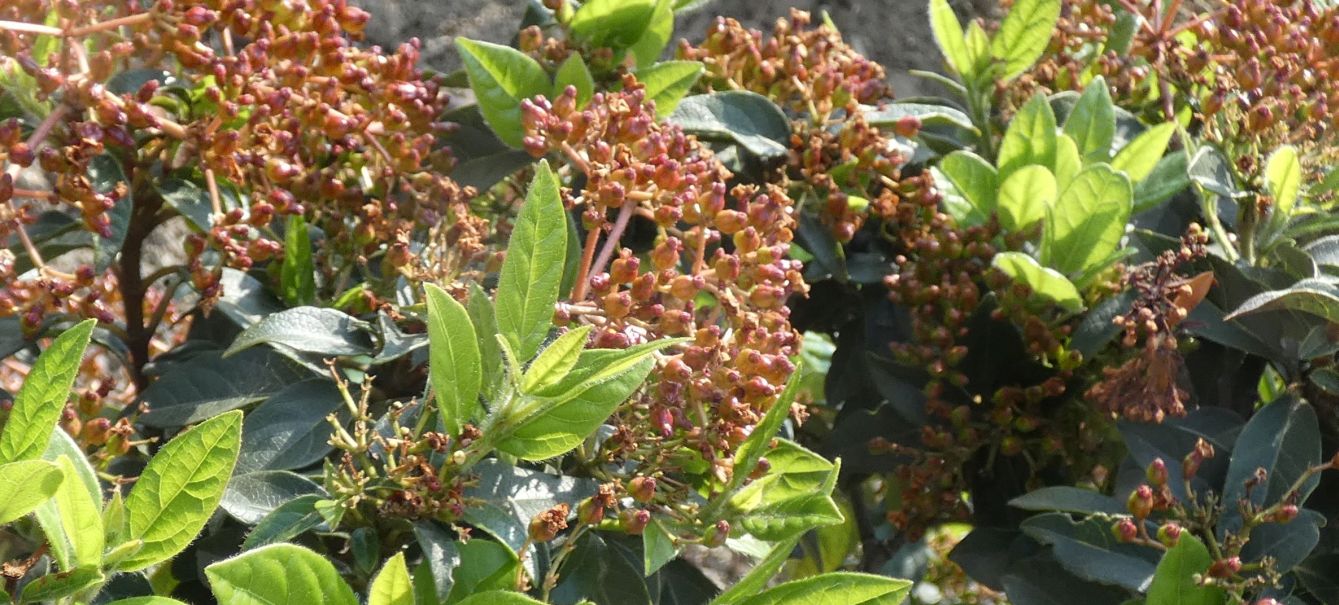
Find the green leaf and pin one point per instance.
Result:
(433, 576)
(105, 174)
(42, 398)
(1069, 499)
(949, 35)
(616, 24)
(1089, 550)
(147, 601)
(1092, 122)
(189, 200)
(555, 361)
(50, 516)
(392, 586)
(250, 497)
(1318, 297)
(288, 521)
(978, 48)
(485, 326)
(574, 72)
(1138, 159)
(528, 286)
(501, 78)
(974, 178)
(746, 118)
(51, 587)
(887, 116)
(80, 521)
(759, 441)
(484, 566)
(561, 417)
(279, 574)
(1085, 226)
(1169, 177)
(760, 576)
(1030, 139)
(454, 366)
(315, 330)
(290, 430)
(208, 385)
(668, 81)
(1024, 34)
(785, 518)
(499, 597)
(657, 35)
(297, 275)
(1283, 438)
(658, 548)
(1046, 283)
(180, 488)
(1174, 581)
(1283, 176)
(605, 570)
(1068, 162)
(837, 588)
(26, 485)
(508, 497)
(1025, 196)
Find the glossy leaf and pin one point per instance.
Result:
(838, 588)
(1046, 283)
(208, 385)
(316, 330)
(1174, 582)
(180, 488)
(555, 361)
(1030, 139)
(1092, 122)
(1025, 196)
(1069, 499)
(1318, 297)
(1085, 226)
(454, 367)
(433, 577)
(25, 485)
(1024, 34)
(250, 497)
(1089, 550)
(392, 586)
(106, 176)
(949, 36)
(501, 78)
(280, 574)
(42, 398)
(290, 430)
(297, 274)
(528, 286)
(746, 118)
(667, 82)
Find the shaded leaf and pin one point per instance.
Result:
(315, 330)
(746, 118)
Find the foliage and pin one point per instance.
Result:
(1066, 332)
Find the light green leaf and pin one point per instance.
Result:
(1174, 581)
(1283, 175)
(499, 597)
(485, 329)
(1142, 154)
(667, 82)
(1024, 34)
(392, 585)
(616, 24)
(574, 72)
(974, 178)
(1046, 283)
(555, 361)
(658, 548)
(656, 36)
(837, 588)
(758, 442)
(978, 48)
(949, 35)
(1086, 224)
(1068, 162)
(454, 366)
(80, 521)
(1092, 122)
(297, 274)
(501, 78)
(279, 574)
(1025, 196)
(758, 578)
(49, 588)
(780, 519)
(26, 485)
(559, 418)
(180, 488)
(1030, 138)
(147, 601)
(42, 398)
(528, 286)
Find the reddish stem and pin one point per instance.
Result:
(611, 244)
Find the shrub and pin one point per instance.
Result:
(549, 328)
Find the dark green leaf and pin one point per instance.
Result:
(1069, 499)
(1283, 438)
(290, 430)
(290, 520)
(746, 118)
(106, 176)
(308, 330)
(189, 200)
(1319, 297)
(596, 572)
(1089, 550)
(210, 384)
(441, 556)
(251, 497)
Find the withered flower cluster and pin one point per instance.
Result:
(849, 165)
(1147, 388)
(717, 272)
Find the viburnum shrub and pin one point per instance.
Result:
(288, 318)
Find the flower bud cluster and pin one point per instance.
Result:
(717, 271)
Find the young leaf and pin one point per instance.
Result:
(279, 574)
(846, 588)
(80, 521)
(617, 24)
(949, 35)
(757, 578)
(1139, 158)
(974, 177)
(657, 35)
(1024, 34)
(501, 78)
(499, 597)
(180, 488)
(1068, 161)
(1283, 175)
(42, 397)
(1086, 224)
(658, 548)
(1030, 138)
(52, 587)
(528, 286)
(392, 585)
(756, 445)
(453, 359)
(297, 275)
(147, 601)
(1046, 283)
(555, 361)
(574, 72)
(26, 485)
(485, 327)
(1024, 197)
(1092, 122)
(1174, 582)
(667, 82)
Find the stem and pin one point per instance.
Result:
(143, 220)
(30, 28)
(106, 25)
(610, 243)
(215, 202)
(583, 275)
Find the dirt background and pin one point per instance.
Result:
(896, 33)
